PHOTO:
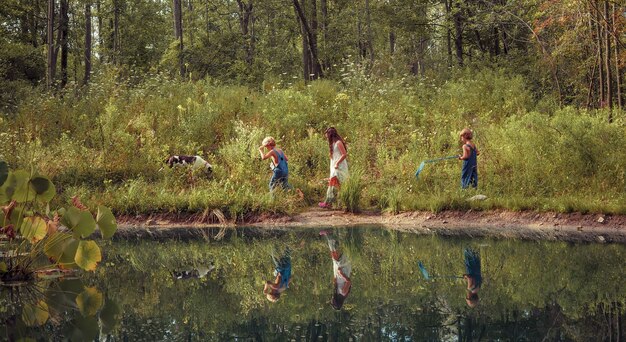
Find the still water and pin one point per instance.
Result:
(360, 284)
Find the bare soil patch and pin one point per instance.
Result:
(574, 227)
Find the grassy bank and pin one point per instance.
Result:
(108, 143)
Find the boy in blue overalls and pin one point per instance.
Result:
(469, 172)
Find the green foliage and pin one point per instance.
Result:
(350, 192)
(26, 209)
(532, 157)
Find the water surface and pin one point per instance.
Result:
(530, 291)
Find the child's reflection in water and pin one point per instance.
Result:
(341, 272)
(282, 272)
(473, 276)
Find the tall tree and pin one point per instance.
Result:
(245, 18)
(607, 57)
(87, 42)
(50, 37)
(316, 71)
(457, 15)
(64, 27)
(616, 44)
(370, 35)
(178, 33)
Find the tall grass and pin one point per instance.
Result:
(111, 139)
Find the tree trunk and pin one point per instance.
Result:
(190, 17)
(115, 26)
(34, 29)
(496, 41)
(100, 29)
(448, 5)
(458, 28)
(324, 9)
(618, 74)
(316, 67)
(601, 96)
(64, 26)
(178, 33)
(312, 42)
(245, 18)
(87, 42)
(505, 46)
(306, 53)
(370, 37)
(607, 58)
(51, 59)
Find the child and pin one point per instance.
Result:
(341, 273)
(278, 164)
(473, 276)
(338, 165)
(469, 172)
(282, 272)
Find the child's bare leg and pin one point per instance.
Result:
(330, 194)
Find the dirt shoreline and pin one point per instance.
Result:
(572, 227)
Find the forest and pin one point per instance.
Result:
(97, 94)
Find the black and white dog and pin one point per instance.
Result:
(194, 162)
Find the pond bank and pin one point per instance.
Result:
(572, 227)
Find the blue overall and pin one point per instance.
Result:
(472, 266)
(281, 172)
(283, 267)
(469, 172)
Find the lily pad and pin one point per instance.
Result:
(34, 228)
(35, 315)
(67, 250)
(89, 301)
(23, 192)
(88, 255)
(56, 244)
(43, 187)
(109, 316)
(4, 172)
(7, 189)
(79, 221)
(106, 222)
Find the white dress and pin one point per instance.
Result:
(342, 172)
(345, 266)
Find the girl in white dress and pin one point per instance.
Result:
(338, 165)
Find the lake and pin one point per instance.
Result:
(211, 288)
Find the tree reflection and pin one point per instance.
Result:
(531, 291)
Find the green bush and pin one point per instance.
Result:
(116, 135)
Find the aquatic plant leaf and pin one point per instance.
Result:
(44, 188)
(4, 172)
(61, 248)
(8, 188)
(106, 222)
(89, 301)
(109, 316)
(3, 267)
(23, 192)
(34, 228)
(35, 315)
(83, 329)
(56, 244)
(88, 255)
(79, 221)
(64, 297)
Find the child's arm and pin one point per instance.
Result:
(466, 153)
(344, 154)
(266, 155)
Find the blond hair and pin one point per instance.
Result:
(466, 133)
(268, 141)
